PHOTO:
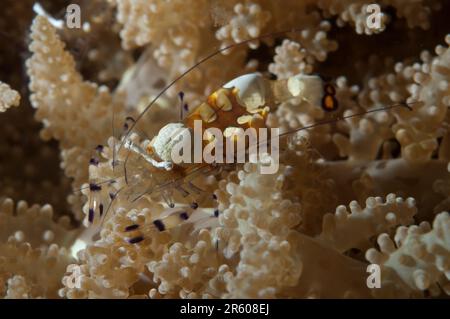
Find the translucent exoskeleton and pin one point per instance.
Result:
(140, 167)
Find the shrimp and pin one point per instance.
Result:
(242, 103)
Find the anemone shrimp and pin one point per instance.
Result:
(146, 168)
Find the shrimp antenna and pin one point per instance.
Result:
(114, 140)
(342, 118)
(203, 60)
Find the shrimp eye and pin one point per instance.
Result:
(329, 103)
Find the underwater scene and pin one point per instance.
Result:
(224, 149)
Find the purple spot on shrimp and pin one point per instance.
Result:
(181, 95)
(131, 227)
(194, 205)
(93, 161)
(186, 107)
(136, 240)
(159, 224)
(94, 187)
(112, 195)
(184, 216)
(214, 196)
(100, 208)
(91, 215)
(216, 213)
